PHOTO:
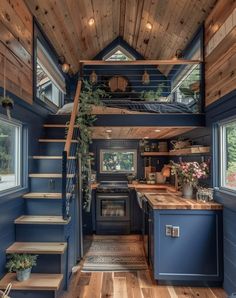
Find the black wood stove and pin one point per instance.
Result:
(113, 208)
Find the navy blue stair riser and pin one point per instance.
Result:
(46, 166)
(43, 206)
(57, 264)
(56, 119)
(40, 233)
(34, 294)
(46, 148)
(54, 133)
(57, 133)
(45, 184)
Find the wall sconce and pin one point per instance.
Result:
(146, 78)
(93, 77)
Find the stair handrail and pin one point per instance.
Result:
(68, 166)
(73, 118)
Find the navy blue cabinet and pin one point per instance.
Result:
(193, 253)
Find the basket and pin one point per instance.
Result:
(6, 292)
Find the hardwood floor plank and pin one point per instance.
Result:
(107, 285)
(133, 285)
(120, 287)
(93, 290)
(145, 280)
(219, 293)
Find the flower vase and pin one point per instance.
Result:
(187, 191)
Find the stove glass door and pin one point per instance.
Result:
(112, 207)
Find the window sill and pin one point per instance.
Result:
(13, 193)
(226, 198)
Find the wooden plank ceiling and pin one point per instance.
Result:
(149, 132)
(65, 22)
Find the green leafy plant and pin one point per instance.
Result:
(90, 95)
(152, 95)
(19, 262)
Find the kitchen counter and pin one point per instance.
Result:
(145, 186)
(174, 202)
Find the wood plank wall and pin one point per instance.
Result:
(16, 48)
(220, 50)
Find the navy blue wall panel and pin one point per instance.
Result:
(9, 210)
(220, 110)
(12, 205)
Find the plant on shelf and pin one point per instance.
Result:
(90, 95)
(21, 264)
(188, 174)
(153, 95)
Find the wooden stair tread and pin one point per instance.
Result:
(58, 125)
(37, 248)
(49, 175)
(43, 195)
(37, 281)
(41, 219)
(55, 141)
(51, 157)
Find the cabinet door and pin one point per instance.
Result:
(196, 253)
(151, 238)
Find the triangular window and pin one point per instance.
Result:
(118, 54)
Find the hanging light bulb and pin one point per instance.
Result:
(146, 78)
(65, 67)
(93, 77)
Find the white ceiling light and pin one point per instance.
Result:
(91, 21)
(149, 26)
(157, 130)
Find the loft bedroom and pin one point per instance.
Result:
(117, 148)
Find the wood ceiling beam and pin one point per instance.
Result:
(141, 62)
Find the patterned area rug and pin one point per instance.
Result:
(111, 255)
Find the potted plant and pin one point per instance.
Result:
(188, 174)
(21, 264)
(8, 104)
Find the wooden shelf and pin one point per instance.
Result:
(37, 248)
(187, 151)
(190, 151)
(155, 154)
(37, 282)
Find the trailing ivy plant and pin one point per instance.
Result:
(90, 95)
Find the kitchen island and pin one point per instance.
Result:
(184, 239)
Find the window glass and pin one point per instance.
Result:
(228, 155)
(10, 152)
(118, 161)
(50, 82)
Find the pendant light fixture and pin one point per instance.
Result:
(146, 78)
(93, 77)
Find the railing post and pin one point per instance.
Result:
(63, 184)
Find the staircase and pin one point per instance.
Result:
(49, 224)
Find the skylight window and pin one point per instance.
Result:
(118, 54)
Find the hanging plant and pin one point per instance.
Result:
(7, 103)
(90, 95)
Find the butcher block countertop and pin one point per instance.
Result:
(170, 201)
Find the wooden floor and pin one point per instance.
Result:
(135, 284)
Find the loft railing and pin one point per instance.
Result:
(69, 160)
(178, 83)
